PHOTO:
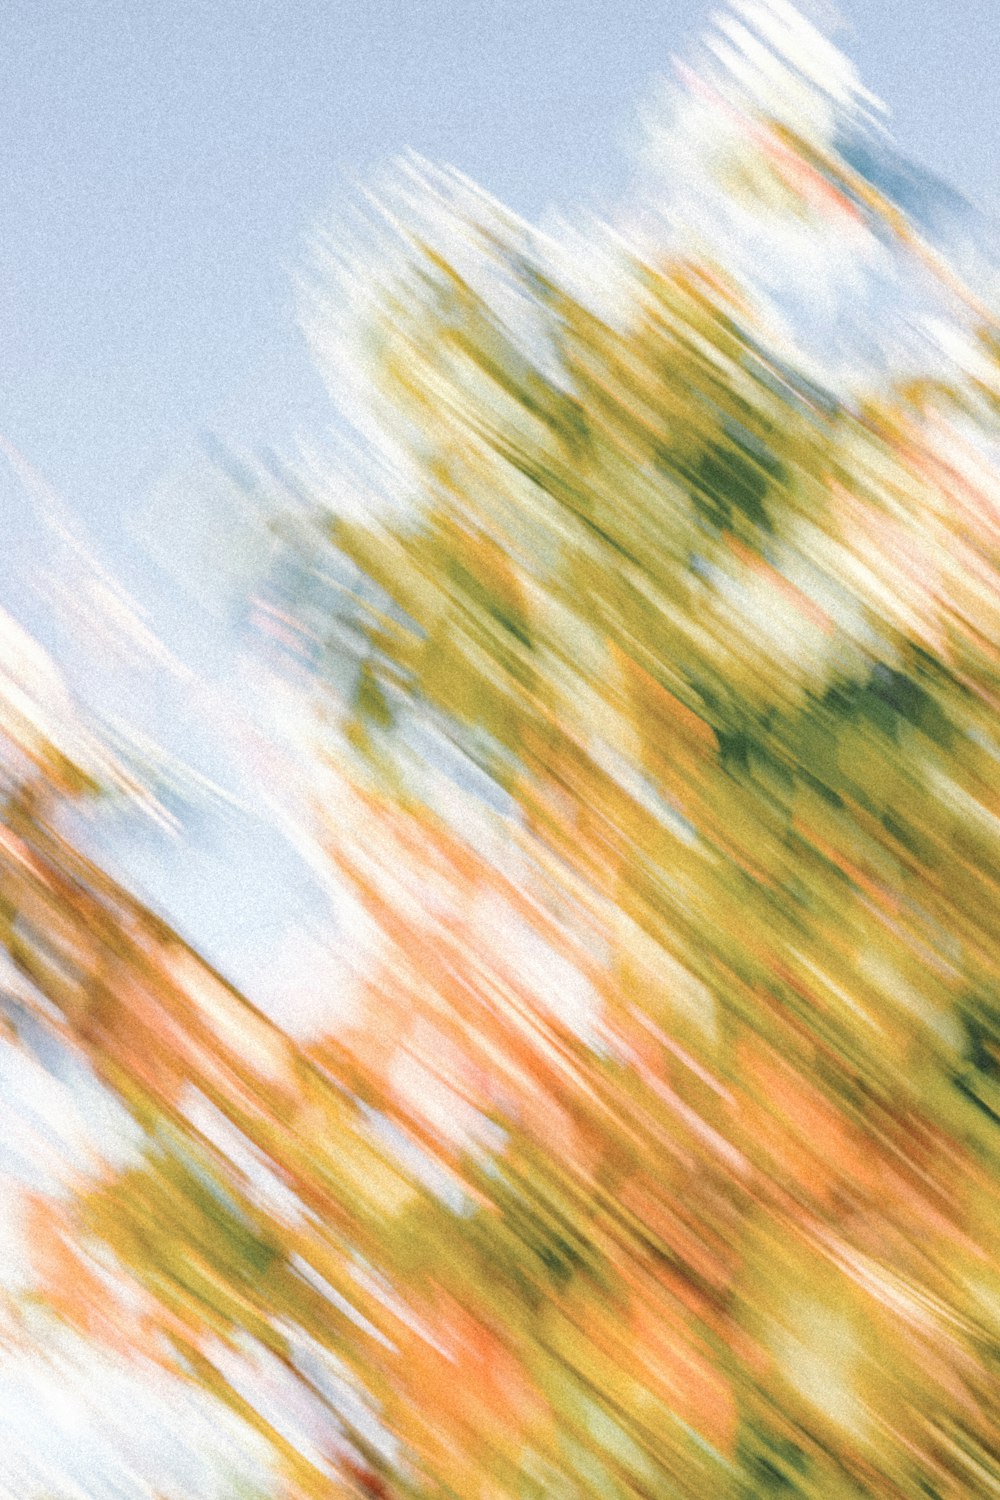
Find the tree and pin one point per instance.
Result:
(661, 1158)
(722, 641)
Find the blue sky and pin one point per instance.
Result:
(164, 164)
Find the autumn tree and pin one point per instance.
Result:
(659, 1156)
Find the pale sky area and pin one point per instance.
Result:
(165, 166)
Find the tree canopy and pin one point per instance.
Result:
(658, 1154)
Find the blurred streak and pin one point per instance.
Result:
(610, 707)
